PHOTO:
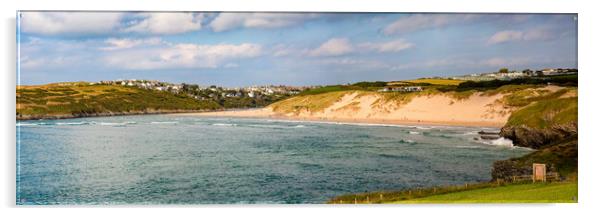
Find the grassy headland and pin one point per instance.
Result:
(64, 100)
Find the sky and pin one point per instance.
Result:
(244, 49)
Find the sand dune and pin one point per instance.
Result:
(478, 109)
(440, 109)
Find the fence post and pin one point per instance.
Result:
(465, 185)
(368, 199)
(381, 196)
(355, 200)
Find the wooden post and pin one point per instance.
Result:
(355, 200)
(539, 172)
(465, 185)
(513, 178)
(368, 199)
(381, 196)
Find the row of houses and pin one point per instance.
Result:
(516, 74)
(145, 84)
(213, 91)
(401, 89)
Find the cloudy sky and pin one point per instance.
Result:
(241, 49)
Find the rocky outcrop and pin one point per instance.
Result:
(559, 156)
(506, 169)
(536, 138)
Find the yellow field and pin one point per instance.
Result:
(429, 81)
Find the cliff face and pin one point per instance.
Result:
(556, 147)
(560, 156)
(536, 138)
(548, 125)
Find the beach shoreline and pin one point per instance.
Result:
(264, 113)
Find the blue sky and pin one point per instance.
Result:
(242, 49)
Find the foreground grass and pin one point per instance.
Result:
(522, 193)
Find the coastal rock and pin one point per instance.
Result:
(535, 138)
(505, 169)
(559, 156)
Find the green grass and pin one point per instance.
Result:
(432, 81)
(81, 99)
(546, 113)
(522, 193)
(311, 103)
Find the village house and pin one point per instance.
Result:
(401, 89)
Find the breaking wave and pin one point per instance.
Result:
(224, 124)
(499, 142)
(164, 122)
(115, 123)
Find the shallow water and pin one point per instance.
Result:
(166, 159)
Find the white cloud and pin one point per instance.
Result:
(174, 56)
(389, 46)
(417, 22)
(537, 34)
(42, 54)
(167, 23)
(505, 36)
(332, 47)
(126, 43)
(513, 35)
(284, 50)
(54, 23)
(354, 63)
(228, 21)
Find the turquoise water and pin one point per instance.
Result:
(164, 159)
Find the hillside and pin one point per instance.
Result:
(492, 107)
(67, 100)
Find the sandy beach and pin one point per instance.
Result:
(476, 110)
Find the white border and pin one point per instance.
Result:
(589, 103)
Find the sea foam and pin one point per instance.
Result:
(224, 124)
(164, 122)
(500, 142)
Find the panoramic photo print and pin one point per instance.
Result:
(157, 108)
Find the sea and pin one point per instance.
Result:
(174, 159)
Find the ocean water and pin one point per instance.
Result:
(166, 159)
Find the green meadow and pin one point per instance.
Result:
(565, 192)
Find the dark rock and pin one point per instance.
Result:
(560, 157)
(505, 169)
(537, 138)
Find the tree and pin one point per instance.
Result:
(503, 70)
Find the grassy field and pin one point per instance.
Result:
(522, 193)
(311, 103)
(81, 99)
(545, 113)
(429, 81)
